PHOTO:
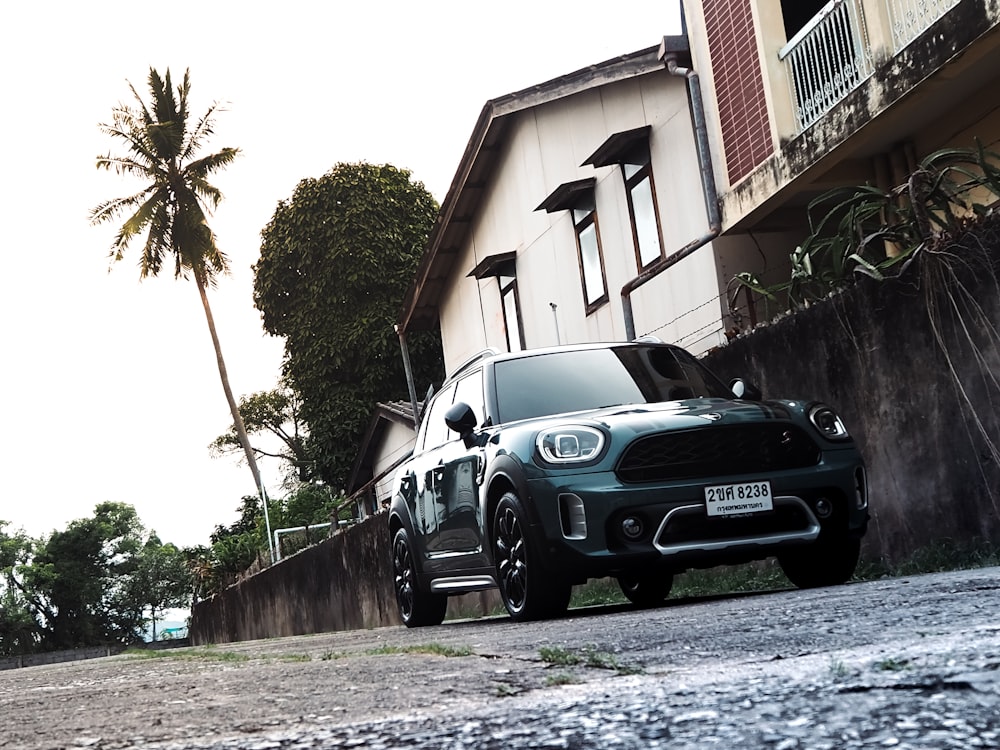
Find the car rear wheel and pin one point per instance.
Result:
(646, 590)
(822, 563)
(416, 608)
(528, 591)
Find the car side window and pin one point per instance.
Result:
(470, 390)
(435, 430)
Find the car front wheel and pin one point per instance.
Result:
(646, 590)
(822, 563)
(416, 608)
(528, 591)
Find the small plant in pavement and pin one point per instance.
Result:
(891, 664)
(435, 649)
(588, 656)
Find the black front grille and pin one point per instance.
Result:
(716, 451)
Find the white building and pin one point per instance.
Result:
(620, 200)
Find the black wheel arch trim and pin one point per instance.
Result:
(399, 518)
(506, 471)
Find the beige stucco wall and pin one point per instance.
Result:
(544, 148)
(397, 441)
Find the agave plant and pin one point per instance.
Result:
(865, 230)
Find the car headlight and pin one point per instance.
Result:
(827, 422)
(570, 444)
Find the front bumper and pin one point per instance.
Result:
(582, 518)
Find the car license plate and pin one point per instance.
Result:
(735, 499)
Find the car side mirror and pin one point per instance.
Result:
(462, 419)
(744, 389)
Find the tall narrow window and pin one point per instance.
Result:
(502, 266)
(511, 313)
(642, 212)
(630, 150)
(578, 198)
(588, 244)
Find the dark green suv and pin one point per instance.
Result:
(537, 470)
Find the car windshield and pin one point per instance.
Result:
(561, 382)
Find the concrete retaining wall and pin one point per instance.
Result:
(342, 583)
(872, 354)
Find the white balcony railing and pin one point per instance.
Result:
(827, 59)
(910, 18)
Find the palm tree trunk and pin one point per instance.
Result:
(241, 430)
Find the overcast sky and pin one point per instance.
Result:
(110, 387)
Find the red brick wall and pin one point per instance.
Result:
(746, 131)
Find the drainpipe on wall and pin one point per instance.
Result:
(409, 377)
(707, 185)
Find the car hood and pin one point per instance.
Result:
(687, 414)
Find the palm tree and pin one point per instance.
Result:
(162, 150)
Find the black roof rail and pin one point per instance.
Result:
(477, 357)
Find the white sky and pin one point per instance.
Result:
(110, 387)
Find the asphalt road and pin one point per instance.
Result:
(898, 663)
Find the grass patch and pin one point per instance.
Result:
(588, 656)
(559, 656)
(766, 575)
(937, 557)
(891, 664)
(838, 670)
(208, 653)
(293, 657)
(560, 678)
(730, 579)
(435, 649)
(597, 592)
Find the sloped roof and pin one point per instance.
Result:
(400, 412)
(420, 306)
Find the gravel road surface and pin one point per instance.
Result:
(897, 663)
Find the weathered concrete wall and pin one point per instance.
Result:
(342, 583)
(78, 654)
(870, 352)
(56, 657)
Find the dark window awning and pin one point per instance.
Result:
(618, 147)
(501, 264)
(570, 195)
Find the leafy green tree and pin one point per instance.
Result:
(309, 504)
(234, 548)
(20, 630)
(89, 584)
(161, 580)
(79, 580)
(273, 413)
(336, 260)
(162, 149)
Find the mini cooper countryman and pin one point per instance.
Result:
(537, 470)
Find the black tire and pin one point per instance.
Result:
(528, 591)
(646, 590)
(416, 608)
(822, 563)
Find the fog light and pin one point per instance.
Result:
(823, 508)
(632, 527)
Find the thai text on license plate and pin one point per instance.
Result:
(733, 499)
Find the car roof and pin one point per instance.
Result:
(493, 355)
